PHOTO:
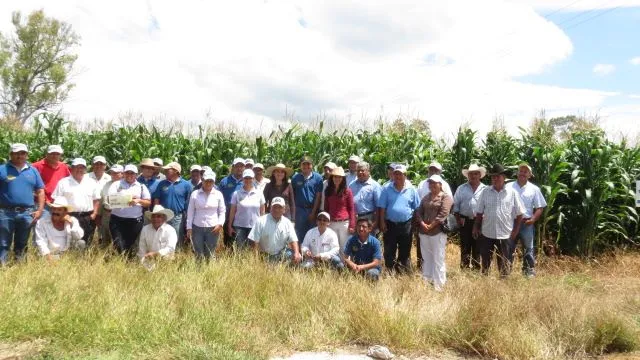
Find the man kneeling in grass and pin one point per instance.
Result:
(274, 235)
(60, 232)
(157, 239)
(321, 245)
(362, 252)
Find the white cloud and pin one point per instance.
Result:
(581, 5)
(250, 62)
(635, 61)
(603, 69)
(634, 96)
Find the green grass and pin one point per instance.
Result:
(241, 308)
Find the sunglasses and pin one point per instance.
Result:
(57, 214)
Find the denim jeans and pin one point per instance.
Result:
(526, 236)
(302, 224)
(14, 227)
(177, 224)
(242, 237)
(204, 242)
(335, 262)
(286, 255)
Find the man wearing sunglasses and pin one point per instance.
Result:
(60, 232)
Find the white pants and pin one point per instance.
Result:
(433, 266)
(342, 230)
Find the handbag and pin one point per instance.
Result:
(450, 225)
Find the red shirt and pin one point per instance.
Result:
(51, 175)
(341, 207)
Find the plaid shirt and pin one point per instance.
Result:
(499, 210)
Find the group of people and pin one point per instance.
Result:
(304, 218)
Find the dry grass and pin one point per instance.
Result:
(239, 307)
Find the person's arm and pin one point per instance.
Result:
(172, 240)
(351, 210)
(381, 204)
(443, 212)
(41, 239)
(222, 209)
(456, 206)
(96, 209)
(145, 197)
(262, 204)
(297, 257)
(142, 244)
(537, 212)
(371, 265)
(232, 215)
(190, 213)
(40, 198)
(75, 230)
(254, 236)
(477, 224)
(292, 203)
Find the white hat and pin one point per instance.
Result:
(238, 161)
(435, 178)
(278, 201)
(159, 209)
(474, 167)
(61, 201)
(248, 162)
(525, 165)
(158, 161)
(17, 147)
(325, 214)
(331, 165)
(99, 159)
(131, 167)
(195, 168)
(436, 165)
(116, 168)
(173, 165)
(355, 158)
(401, 168)
(258, 166)
(54, 149)
(248, 173)
(209, 175)
(79, 161)
(206, 168)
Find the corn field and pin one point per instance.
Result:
(587, 180)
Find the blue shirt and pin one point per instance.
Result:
(17, 186)
(363, 253)
(228, 185)
(151, 184)
(365, 195)
(399, 205)
(174, 196)
(305, 190)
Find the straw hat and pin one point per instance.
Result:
(159, 209)
(148, 162)
(339, 171)
(474, 167)
(61, 202)
(287, 171)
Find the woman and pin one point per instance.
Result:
(339, 204)
(279, 186)
(126, 199)
(432, 212)
(205, 217)
(247, 204)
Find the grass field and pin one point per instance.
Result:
(239, 307)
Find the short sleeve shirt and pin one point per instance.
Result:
(136, 190)
(365, 195)
(531, 197)
(306, 189)
(17, 185)
(363, 253)
(499, 209)
(174, 195)
(399, 205)
(228, 185)
(272, 236)
(247, 206)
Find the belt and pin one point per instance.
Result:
(399, 222)
(81, 213)
(337, 220)
(366, 213)
(305, 206)
(16, 208)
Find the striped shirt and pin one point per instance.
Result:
(499, 210)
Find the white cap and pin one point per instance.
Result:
(99, 159)
(195, 168)
(278, 201)
(248, 162)
(116, 168)
(435, 178)
(54, 149)
(158, 161)
(17, 147)
(209, 175)
(331, 165)
(355, 158)
(436, 165)
(248, 173)
(258, 166)
(325, 214)
(131, 167)
(79, 161)
(207, 168)
(238, 161)
(401, 168)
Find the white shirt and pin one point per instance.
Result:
(79, 195)
(163, 240)
(205, 210)
(531, 197)
(248, 205)
(499, 210)
(50, 240)
(103, 180)
(272, 236)
(423, 188)
(465, 200)
(261, 184)
(136, 190)
(324, 245)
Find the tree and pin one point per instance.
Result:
(35, 65)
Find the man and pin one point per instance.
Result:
(261, 181)
(498, 216)
(362, 251)
(148, 175)
(158, 238)
(116, 174)
(353, 168)
(321, 245)
(307, 189)
(248, 164)
(52, 170)
(196, 176)
(157, 162)
(228, 185)
(19, 181)
(534, 204)
(326, 175)
(173, 193)
(366, 193)
(98, 174)
(390, 169)
(83, 195)
(273, 235)
(434, 169)
(465, 201)
(395, 207)
(59, 232)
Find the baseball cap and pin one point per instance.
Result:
(54, 149)
(331, 165)
(173, 165)
(131, 167)
(116, 168)
(248, 161)
(435, 178)
(277, 201)
(238, 161)
(79, 161)
(248, 173)
(209, 175)
(195, 168)
(306, 159)
(436, 165)
(17, 147)
(258, 166)
(355, 158)
(401, 168)
(158, 161)
(99, 159)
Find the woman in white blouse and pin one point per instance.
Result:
(247, 205)
(205, 217)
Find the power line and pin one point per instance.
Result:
(593, 17)
(560, 9)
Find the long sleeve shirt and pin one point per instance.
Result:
(465, 200)
(324, 245)
(50, 240)
(80, 195)
(436, 209)
(163, 240)
(341, 207)
(206, 210)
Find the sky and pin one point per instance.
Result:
(255, 64)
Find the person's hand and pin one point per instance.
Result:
(308, 254)
(67, 218)
(99, 220)
(352, 266)
(133, 202)
(311, 218)
(216, 229)
(460, 220)
(425, 227)
(358, 268)
(93, 216)
(36, 215)
(383, 227)
(513, 235)
(189, 231)
(475, 232)
(352, 231)
(230, 230)
(49, 257)
(530, 221)
(151, 254)
(297, 257)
